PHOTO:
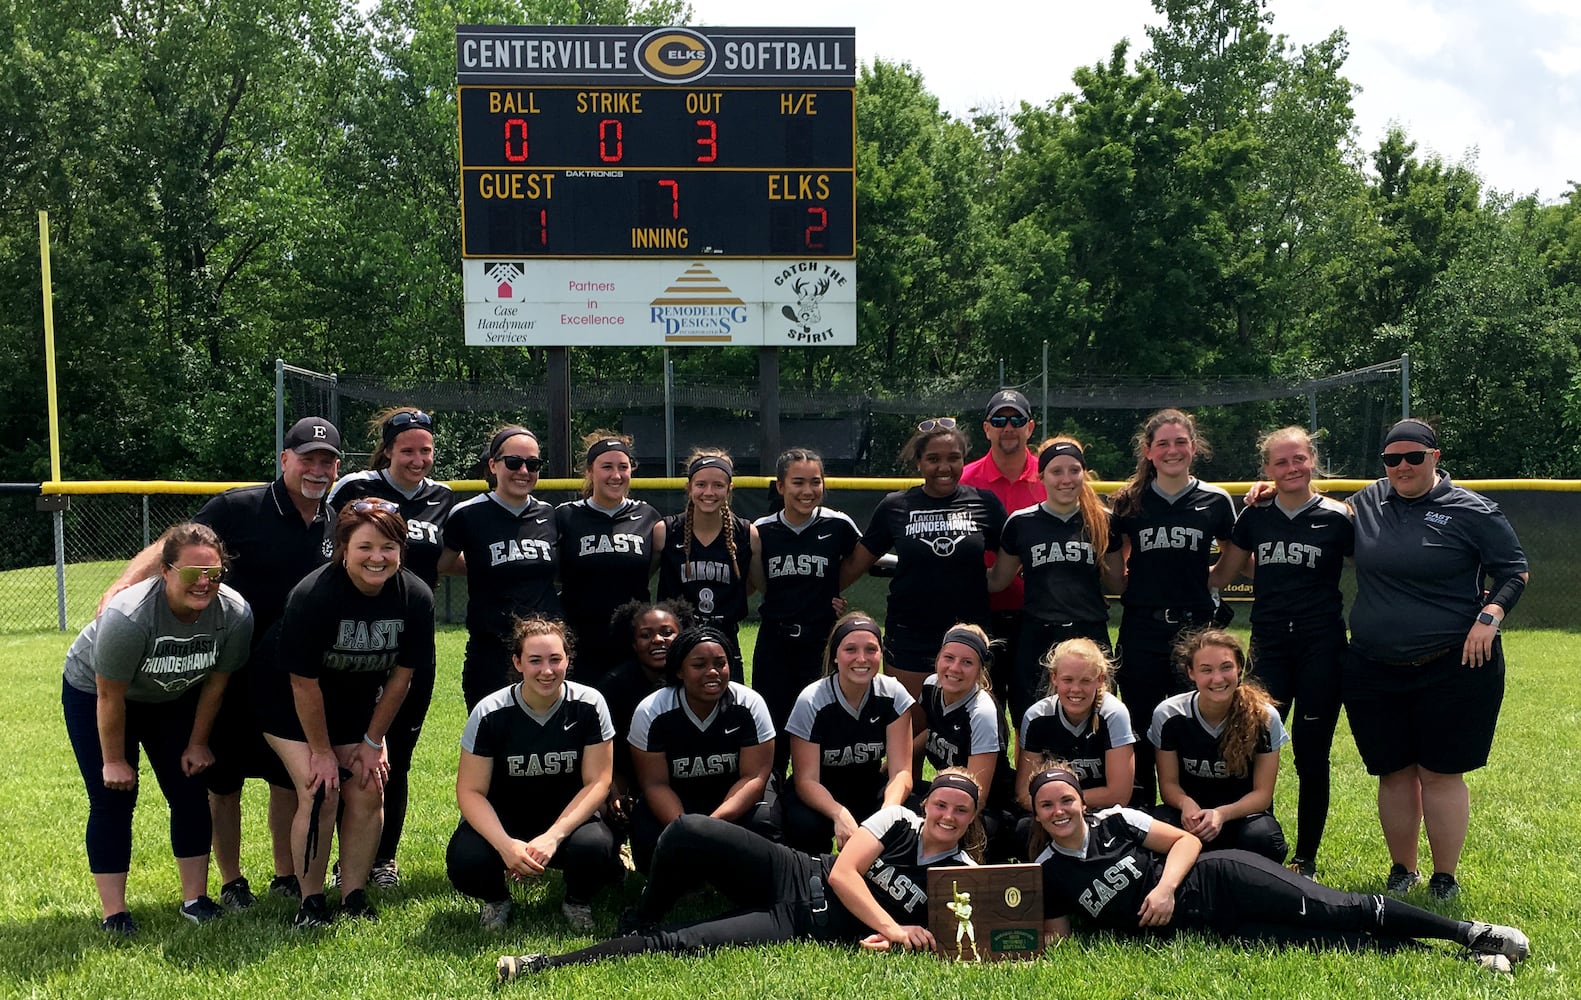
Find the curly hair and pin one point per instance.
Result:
(1249, 704)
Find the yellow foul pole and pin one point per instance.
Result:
(49, 347)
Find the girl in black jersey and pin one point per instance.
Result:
(1125, 871)
(1066, 553)
(609, 547)
(850, 736)
(507, 540)
(403, 457)
(1169, 522)
(939, 531)
(1297, 540)
(801, 548)
(353, 633)
(709, 552)
(536, 760)
(1218, 750)
(1082, 723)
(701, 744)
(874, 892)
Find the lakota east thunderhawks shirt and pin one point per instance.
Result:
(939, 542)
(536, 759)
(850, 738)
(139, 641)
(511, 560)
(1084, 745)
(801, 567)
(604, 560)
(1058, 564)
(424, 509)
(956, 731)
(1172, 546)
(703, 756)
(1106, 881)
(898, 877)
(715, 584)
(1299, 558)
(1204, 776)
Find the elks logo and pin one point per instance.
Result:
(806, 314)
(507, 281)
(675, 55)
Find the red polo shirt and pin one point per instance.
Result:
(1023, 491)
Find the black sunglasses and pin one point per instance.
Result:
(1413, 457)
(1013, 420)
(516, 463)
(410, 418)
(937, 424)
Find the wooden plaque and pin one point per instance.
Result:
(1006, 912)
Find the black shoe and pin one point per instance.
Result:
(201, 910)
(313, 913)
(1301, 866)
(237, 894)
(512, 966)
(119, 925)
(1442, 887)
(285, 885)
(1401, 880)
(631, 924)
(355, 906)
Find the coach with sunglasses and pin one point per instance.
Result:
(509, 540)
(1437, 569)
(1010, 472)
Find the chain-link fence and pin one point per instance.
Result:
(100, 532)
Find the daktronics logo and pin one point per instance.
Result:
(675, 55)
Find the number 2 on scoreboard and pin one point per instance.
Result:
(819, 216)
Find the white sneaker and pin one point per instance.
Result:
(1494, 939)
(578, 915)
(495, 915)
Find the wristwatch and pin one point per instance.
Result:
(1486, 618)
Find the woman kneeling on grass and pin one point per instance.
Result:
(873, 892)
(1122, 870)
(536, 759)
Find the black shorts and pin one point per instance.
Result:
(1438, 715)
(236, 741)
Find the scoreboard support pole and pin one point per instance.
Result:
(560, 457)
(768, 408)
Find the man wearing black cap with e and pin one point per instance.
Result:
(1010, 472)
(275, 535)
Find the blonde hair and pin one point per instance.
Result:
(984, 682)
(975, 839)
(1037, 837)
(725, 512)
(589, 440)
(1094, 515)
(1249, 703)
(1298, 435)
(1090, 654)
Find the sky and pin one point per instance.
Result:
(1494, 83)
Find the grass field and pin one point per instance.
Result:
(1520, 867)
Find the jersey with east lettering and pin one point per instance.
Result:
(511, 556)
(535, 759)
(850, 739)
(898, 877)
(424, 509)
(801, 567)
(1059, 564)
(623, 689)
(715, 584)
(1172, 546)
(939, 544)
(1178, 727)
(140, 642)
(1085, 745)
(604, 562)
(1104, 882)
(702, 756)
(958, 730)
(271, 547)
(1298, 557)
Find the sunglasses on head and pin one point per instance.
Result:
(188, 575)
(364, 506)
(1010, 420)
(937, 424)
(410, 418)
(1412, 457)
(515, 463)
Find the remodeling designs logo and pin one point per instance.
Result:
(698, 308)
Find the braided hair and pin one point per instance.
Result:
(728, 516)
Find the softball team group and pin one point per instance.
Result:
(600, 717)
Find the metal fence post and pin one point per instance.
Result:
(145, 521)
(60, 567)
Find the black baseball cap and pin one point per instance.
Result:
(1008, 399)
(313, 434)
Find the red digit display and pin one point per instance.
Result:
(543, 227)
(604, 137)
(709, 141)
(518, 126)
(675, 197)
(821, 214)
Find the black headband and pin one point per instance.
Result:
(1049, 774)
(402, 421)
(605, 445)
(850, 625)
(690, 639)
(1411, 430)
(957, 781)
(1057, 449)
(711, 462)
(498, 440)
(967, 637)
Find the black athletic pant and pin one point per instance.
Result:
(1037, 638)
(762, 820)
(487, 668)
(1258, 833)
(400, 742)
(787, 658)
(1147, 676)
(1004, 628)
(1242, 894)
(162, 730)
(807, 829)
(1301, 666)
(771, 887)
(589, 858)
